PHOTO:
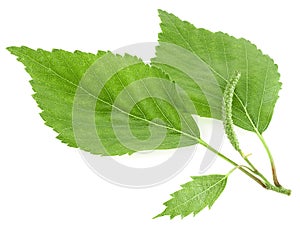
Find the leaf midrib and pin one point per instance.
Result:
(200, 193)
(105, 102)
(217, 73)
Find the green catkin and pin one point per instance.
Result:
(227, 111)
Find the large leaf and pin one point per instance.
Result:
(195, 195)
(111, 105)
(257, 90)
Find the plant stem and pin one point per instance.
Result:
(255, 170)
(261, 138)
(265, 183)
(275, 179)
(279, 189)
(203, 143)
(250, 163)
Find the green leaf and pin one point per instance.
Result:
(105, 103)
(257, 90)
(195, 195)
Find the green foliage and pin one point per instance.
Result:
(113, 105)
(257, 91)
(73, 104)
(54, 76)
(195, 195)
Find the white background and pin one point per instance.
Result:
(43, 183)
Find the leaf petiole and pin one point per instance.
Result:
(261, 138)
(203, 143)
(262, 182)
(275, 179)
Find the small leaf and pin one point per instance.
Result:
(107, 104)
(195, 195)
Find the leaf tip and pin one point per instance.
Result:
(15, 50)
(163, 13)
(159, 215)
(11, 49)
(160, 11)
